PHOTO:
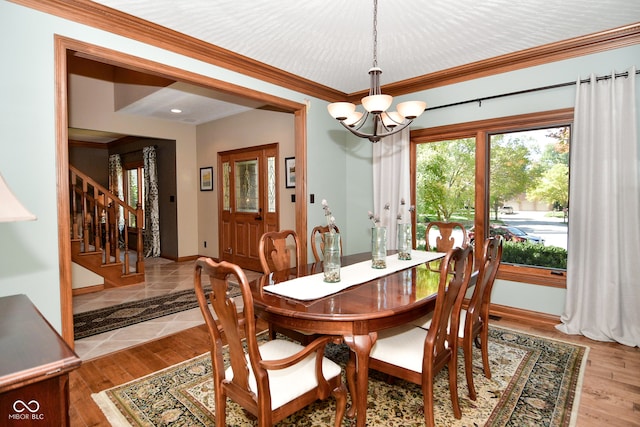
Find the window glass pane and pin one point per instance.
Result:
(529, 195)
(271, 184)
(135, 192)
(246, 183)
(445, 184)
(226, 172)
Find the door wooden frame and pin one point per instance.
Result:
(100, 54)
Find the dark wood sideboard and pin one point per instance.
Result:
(34, 367)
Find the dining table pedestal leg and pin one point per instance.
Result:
(358, 364)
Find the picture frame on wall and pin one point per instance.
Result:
(206, 179)
(290, 172)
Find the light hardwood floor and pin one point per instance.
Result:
(610, 394)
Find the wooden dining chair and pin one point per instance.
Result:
(276, 257)
(317, 240)
(278, 265)
(271, 380)
(439, 236)
(416, 354)
(474, 320)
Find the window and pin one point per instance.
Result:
(134, 189)
(511, 179)
(529, 195)
(445, 176)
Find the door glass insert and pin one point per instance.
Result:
(226, 198)
(246, 181)
(271, 184)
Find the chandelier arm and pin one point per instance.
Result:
(375, 137)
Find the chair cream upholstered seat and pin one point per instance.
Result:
(286, 384)
(272, 380)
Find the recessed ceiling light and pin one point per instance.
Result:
(176, 110)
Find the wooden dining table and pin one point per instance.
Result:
(356, 313)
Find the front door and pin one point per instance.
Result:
(247, 202)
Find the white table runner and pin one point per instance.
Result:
(313, 287)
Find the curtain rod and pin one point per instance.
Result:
(520, 92)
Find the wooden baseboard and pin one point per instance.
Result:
(87, 290)
(519, 314)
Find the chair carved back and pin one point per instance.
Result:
(275, 255)
(317, 240)
(478, 309)
(233, 327)
(445, 240)
(441, 338)
(475, 326)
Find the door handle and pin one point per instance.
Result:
(259, 217)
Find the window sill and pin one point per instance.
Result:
(533, 275)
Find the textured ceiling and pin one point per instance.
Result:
(330, 41)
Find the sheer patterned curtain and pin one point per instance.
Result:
(603, 268)
(391, 181)
(151, 210)
(116, 181)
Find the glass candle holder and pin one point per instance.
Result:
(404, 241)
(331, 257)
(379, 247)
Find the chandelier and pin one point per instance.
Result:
(376, 104)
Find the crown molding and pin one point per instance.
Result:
(552, 52)
(105, 18)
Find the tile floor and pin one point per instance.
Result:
(162, 277)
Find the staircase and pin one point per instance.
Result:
(97, 243)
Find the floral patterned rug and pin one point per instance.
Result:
(535, 382)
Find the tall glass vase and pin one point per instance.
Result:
(379, 247)
(404, 241)
(331, 257)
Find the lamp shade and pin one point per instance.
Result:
(376, 104)
(411, 109)
(10, 207)
(353, 118)
(341, 110)
(392, 119)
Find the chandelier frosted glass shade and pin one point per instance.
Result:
(341, 110)
(411, 109)
(377, 104)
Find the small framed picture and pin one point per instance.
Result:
(290, 172)
(206, 179)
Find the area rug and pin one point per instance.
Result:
(118, 316)
(535, 382)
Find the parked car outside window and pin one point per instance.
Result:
(507, 210)
(509, 234)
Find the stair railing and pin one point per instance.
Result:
(95, 222)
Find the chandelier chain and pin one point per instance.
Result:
(375, 33)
